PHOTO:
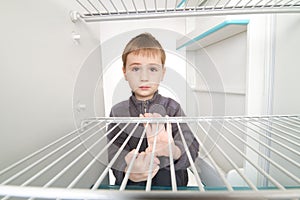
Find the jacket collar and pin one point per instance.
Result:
(136, 101)
(140, 106)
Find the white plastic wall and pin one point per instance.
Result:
(287, 62)
(286, 83)
(40, 66)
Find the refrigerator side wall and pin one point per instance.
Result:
(40, 63)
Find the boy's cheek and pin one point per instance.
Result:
(133, 84)
(155, 79)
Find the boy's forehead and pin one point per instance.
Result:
(144, 56)
(148, 52)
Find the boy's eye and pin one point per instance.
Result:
(135, 69)
(153, 69)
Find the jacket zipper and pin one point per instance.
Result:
(145, 106)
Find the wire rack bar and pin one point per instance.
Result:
(272, 149)
(124, 5)
(172, 168)
(232, 163)
(149, 179)
(185, 119)
(74, 182)
(121, 10)
(277, 135)
(285, 126)
(186, 148)
(289, 126)
(85, 8)
(61, 158)
(100, 179)
(262, 155)
(41, 150)
(293, 121)
(125, 180)
(93, 6)
(276, 141)
(259, 169)
(104, 7)
(266, 146)
(74, 161)
(45, 157)
(214, 164)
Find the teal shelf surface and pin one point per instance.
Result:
(214, 30)
(181, 3)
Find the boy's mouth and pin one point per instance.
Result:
(144, 87)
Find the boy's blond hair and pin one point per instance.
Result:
(144, 44)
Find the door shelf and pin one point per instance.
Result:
(223, 30)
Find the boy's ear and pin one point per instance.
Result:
(163, 75)
(124, 73)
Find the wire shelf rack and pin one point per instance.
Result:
(267, 145)
(99, 10)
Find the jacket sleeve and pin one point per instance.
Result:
(192, 144)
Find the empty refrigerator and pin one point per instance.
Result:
(53, 86)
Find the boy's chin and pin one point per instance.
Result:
(144, 95)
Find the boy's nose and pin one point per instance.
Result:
(144, 75)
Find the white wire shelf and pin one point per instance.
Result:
(99, 10)
(267, 145)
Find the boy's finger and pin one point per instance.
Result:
(147, 159)
(160, 125)
(149, 149)
(148, 115)
(155, 171)
(149, 131)
(156, 160)
(142, 116)
(169, 127)
(152, 125)
(141, 157)
(142, 154)
(154, 128)
(156, 115)
(129, 156)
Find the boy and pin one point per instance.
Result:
(143, 67)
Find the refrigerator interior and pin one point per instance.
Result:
(232, 65)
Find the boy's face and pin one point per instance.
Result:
(144, 73)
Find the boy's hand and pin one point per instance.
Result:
(140, 169)
(162, 142)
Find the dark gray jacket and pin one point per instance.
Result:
(163, 106)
